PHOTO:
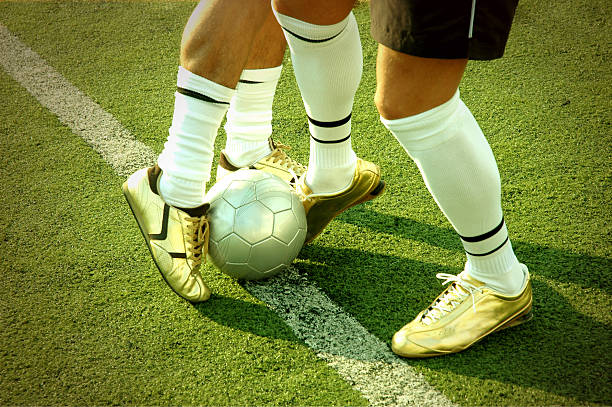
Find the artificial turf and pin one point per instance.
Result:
(86, 318)
(88, 321)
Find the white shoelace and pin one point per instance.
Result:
(454, 295)
(280, 156)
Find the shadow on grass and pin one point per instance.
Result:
(561, 351)
(561, 266)
(247, 317)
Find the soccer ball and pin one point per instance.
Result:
(257, 224)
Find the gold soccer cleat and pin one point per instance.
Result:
(322, 208)
(177, 238)
(277, 163)
(463, 314)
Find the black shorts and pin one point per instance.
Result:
(448, 29)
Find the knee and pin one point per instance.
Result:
(188, 56)
(317, 12)
(385, 106)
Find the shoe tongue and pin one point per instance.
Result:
(196, 212)
(459, 288)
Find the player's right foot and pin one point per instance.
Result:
(322, 208)
(277, 162)
(465, 312)
(177, 238)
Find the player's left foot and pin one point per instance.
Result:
(277, 162)
(463, 314)
(177, 238)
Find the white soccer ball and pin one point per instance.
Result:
(257, 224)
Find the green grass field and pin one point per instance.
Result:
(87, 320)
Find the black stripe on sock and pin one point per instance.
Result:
(248, 81)
(331, 141)
(492, 251)
(484, 236)
(299, 37)
(337, 123)
(199, 96)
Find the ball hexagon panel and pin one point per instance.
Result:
(276, 201)
(269, 254)
(235, 249)
(239, 193)
(240, 270)
(253, 222)
(297, 243)
(217, 252)
(285, 226)
(221, 219)
(298, 209)
(271, 184)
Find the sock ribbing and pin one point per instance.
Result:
(460, 171)
(456, 163)
(310, 33)
(249, 118)
(328, 64)
(186, 160)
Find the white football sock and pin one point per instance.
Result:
(249, 118)
(459, 170)
(186, 160)
(327, 62)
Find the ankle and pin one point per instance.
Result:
(244, 154)
(330, 180)
(181, 193)
(509, 282)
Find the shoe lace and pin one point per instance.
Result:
(197, 236)
(450, 298)
(278, 155)
(304, 197)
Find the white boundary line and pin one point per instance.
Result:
(359, 357)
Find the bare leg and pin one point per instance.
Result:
(209, 47)
(326, 53)
(327, 59)
(418, 101)
(315, 12)
(269, 45)
(215, 48)
(407, 85)
(249, 118)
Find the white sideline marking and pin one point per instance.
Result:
(73, 108)
(359, 357)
